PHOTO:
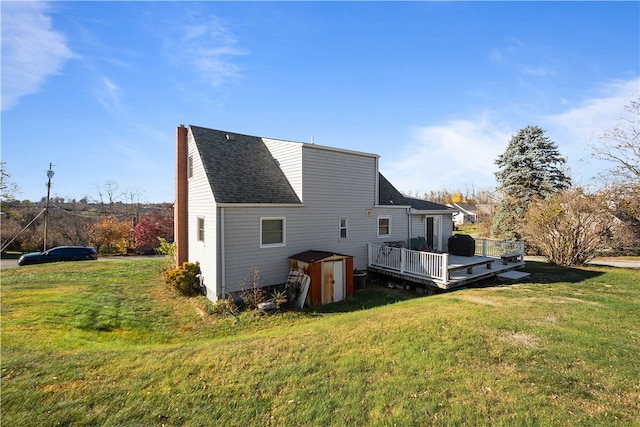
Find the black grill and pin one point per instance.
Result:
(462, 245)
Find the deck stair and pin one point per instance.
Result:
(513, 275)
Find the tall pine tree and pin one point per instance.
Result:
(531, 166)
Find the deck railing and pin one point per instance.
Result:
(435, 265)
(497, 248)
(406, 261)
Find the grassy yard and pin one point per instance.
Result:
(105, 343)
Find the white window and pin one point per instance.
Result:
(343, 227)
(272, 232)
(190, 166)
(384, 226)
(200, 229)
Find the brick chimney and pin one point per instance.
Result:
(181, 222)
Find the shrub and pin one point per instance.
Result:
(168, 249)
(569, 228)
(184, 278)
(252, 294)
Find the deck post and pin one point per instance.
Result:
(484, 247)
(403, 257)
(444, 270)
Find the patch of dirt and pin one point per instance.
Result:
(563, 300)
(520, 339)
(201, 312)
(480, 300)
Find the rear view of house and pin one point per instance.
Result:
(247, 203)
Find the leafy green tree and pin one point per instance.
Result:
(531, 166)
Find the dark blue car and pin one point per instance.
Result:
(59, 253)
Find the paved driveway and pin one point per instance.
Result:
(8, 263)
(609, 261)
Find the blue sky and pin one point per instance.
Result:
(435, 88)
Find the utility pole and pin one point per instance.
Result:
(50, 174)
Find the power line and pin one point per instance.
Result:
(20, 232)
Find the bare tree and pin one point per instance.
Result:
(620, 146)
(7, 187)
(110, 192)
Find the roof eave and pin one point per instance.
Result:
(432, 212)
(260, 205)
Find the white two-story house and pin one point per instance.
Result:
(248, 203)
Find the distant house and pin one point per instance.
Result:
(247, 202)
(466, 213)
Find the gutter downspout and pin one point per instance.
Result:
(223, 287)
(410, 226)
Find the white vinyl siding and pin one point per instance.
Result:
(447, 231)
(332, 180)
(288, 155)
(244, 252)
(200, 228)
(343, 183)
(201, 204)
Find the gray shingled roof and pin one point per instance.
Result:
(388, 195)
(241, 169)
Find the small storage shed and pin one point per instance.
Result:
(331, 275)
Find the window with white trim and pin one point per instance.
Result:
(384, 226)
(200, 229)
(189, 166)
(343, 227)
(272, 232)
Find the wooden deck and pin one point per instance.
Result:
(446, 271)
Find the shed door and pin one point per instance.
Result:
(338, 282)
(332, 281)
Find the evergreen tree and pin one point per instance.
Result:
(531, 166)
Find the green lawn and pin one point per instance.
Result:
(105, 343)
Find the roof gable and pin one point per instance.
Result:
(467, 207)
(388, 195)
(240, 168)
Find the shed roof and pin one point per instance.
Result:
(312, 256)
(241, 169)
(389, 195)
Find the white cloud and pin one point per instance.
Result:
(31, 50)
(598, 113)
(579, 126)
(460, 153)
(450, 156)
(209, 47)
(109, 95)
